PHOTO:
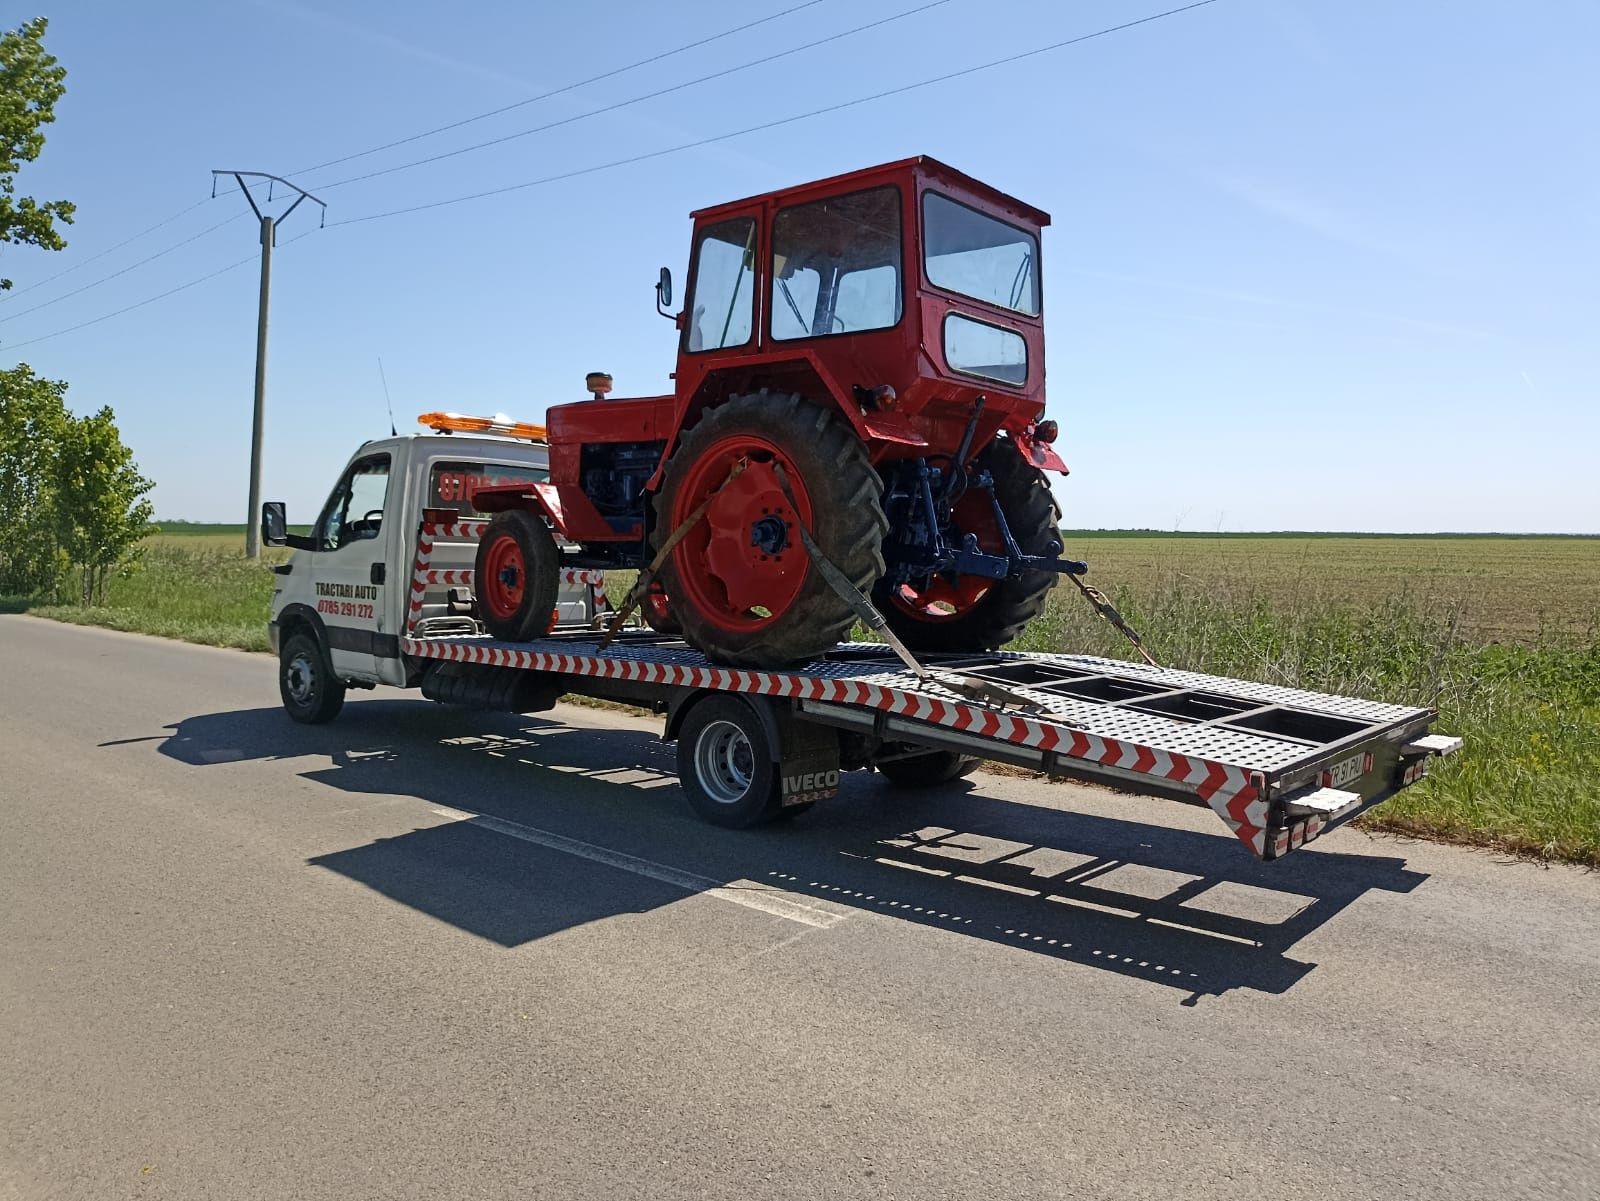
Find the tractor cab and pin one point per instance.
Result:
(906, 290)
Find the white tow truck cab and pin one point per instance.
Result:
(346, 591)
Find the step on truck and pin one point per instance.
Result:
(383, 591)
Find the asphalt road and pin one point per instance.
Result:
(422, 953)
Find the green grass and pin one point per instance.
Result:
(1500, 589)
(199, 593)
(1403, 620)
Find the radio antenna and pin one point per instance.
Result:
(389, 404)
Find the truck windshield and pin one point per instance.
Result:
(978, 256)
(836, 265)
(450, 485)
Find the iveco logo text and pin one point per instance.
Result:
(811, 781)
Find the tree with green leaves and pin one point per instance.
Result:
(31, 81)
(101, 502)
(33, 420)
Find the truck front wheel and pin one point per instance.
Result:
(311, 694)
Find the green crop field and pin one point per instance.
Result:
(1501, 634)
(1497, 588)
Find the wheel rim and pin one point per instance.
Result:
(943, 597)
(507, 577)
(300, 679)
(655, 603)
(724, 763)
(742, 567)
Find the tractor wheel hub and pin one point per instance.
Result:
(749, 549)
(768, 535)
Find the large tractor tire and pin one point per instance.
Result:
(973, 613)
(741, 586)
(517, 576)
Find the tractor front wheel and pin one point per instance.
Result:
(517, 576)
(740, 583)
(971, 613)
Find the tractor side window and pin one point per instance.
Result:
(836, 265)
(355, 510)
(975, 255)
(451, 484)
(721, 302)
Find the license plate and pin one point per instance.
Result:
(1347, 770)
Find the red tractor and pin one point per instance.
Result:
(861, 358)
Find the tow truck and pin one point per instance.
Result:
(382, 592)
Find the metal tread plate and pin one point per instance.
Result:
(870, 664)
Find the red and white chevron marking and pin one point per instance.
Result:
(453, 578)
(1236, 796)
(456, 531)
(578, 577)
(419, 568)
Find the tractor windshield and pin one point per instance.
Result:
(978, 256)
(836, 265)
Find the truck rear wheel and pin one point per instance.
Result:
(311, 693)
(927, 771)
(727, 764)
(517, 576)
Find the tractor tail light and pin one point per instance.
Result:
(1046, 431)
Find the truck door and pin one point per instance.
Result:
(348, 568)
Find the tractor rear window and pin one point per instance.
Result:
(974, 348)
(836, 265)
(978, 256)
(450, 485)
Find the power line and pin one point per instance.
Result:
(12, 295)
(611, 74)
(966, 71)
(249, 258)
(108, 278)
(677, 87)
(765, 125)
(39, 283)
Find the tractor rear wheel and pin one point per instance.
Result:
(517, 576)
(742, 586)
(972, 613)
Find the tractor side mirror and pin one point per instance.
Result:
(274, 523)
(664, 292)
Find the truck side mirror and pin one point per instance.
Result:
(664, 292)
(274, 523)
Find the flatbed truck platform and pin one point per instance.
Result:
(1279, 766)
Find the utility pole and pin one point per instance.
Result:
(269, 236)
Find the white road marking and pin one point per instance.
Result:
(748, 893)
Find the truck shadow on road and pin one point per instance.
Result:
(1164, 903)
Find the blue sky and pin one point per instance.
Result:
(1314, 265)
